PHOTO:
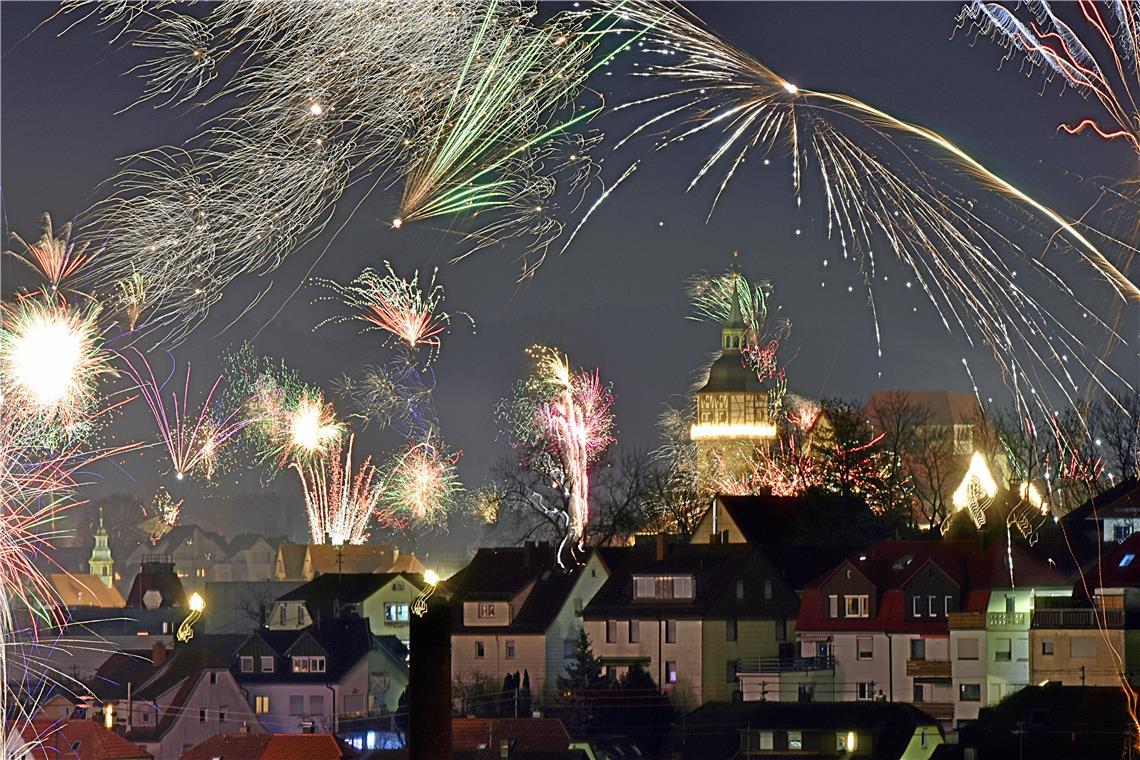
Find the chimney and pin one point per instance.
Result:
(158, 654)
(244, 728)
(660, 546)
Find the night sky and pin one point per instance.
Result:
(615, 300)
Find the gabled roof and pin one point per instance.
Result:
(292, 556)
(502, 573)
(270, 747)
(85, 590)
(78, 739)
(1121, 501)
(350, 558)
(110, 681)
(945, 407)
(182, 671)
(327, 594)
(808, 520)
(1118, 568)
(714, 567)
(246, 540)
(345, 640)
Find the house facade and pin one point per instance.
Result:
(691, 616)
(309, 680)
(514, 610)
(385, 599)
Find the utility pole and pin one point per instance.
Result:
(1082, 675)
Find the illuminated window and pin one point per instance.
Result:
(1126, 560)
(856, 605)
(864, 647)
(486, 610)
(395, 612)
(246, 664)
(261, 704)
(670, 671)
(795, 740)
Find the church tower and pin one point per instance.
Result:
(732, 406)
(101, 563)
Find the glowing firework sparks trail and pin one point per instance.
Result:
(340, 504)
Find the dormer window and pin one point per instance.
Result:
(486, 610)
(309, 664)
(663, 587)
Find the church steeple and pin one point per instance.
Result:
(101, 562)
(732, 334)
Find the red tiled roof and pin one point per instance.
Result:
(56, 740)
(269, 747)
(525, 734)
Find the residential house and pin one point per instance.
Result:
(73, 739)
(516, 610)
(157, 585)
(195, 553)
(1113, 515)
(884, 616)
(1052, 722)
(189, 696)
(269, 747)
(303, 562)
(311, 679)
(1092, 638)
(873, 730)
(249, 558)
(815, 520)
(690, 615)
(385, 599)
(240, 606)
(84, 590)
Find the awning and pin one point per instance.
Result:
(813, 637)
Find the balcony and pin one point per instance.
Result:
(967, 621)
(928, 668)
(1083, 617)
(1007, 621)
(786, 664)
(937, 710)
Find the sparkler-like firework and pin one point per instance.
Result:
(562, 422)
(340, 504)
(877, 192)
(422, 484)
(54, 257)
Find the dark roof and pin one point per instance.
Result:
(714, 567)
(1118, 568)
(326, 595)
(110, 680)
(945, 407)
(344, 640)
(728, 374)
(809, 520)
(526, 735)
(713, 730)
(159, 576)
(183, 669)
(1054, 722)
(270, 747)
(1122, 500)
(503, 573)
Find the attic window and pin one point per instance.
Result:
(903, 561)
(1126, 560)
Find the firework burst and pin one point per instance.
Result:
(879, 193)
(54, 257)
(194, 443)
(422, 484)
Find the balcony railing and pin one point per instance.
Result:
(928, 668)
(786, 664)
(1078, 618)
(1013, 620)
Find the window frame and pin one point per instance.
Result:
(634, 632)
(962, 692)
(611, 631)
(243, 661)
(870, 654)
(509, 649)
(271, 661)
(670, 631)
(671, 671)
(480, 650)
(731, 632)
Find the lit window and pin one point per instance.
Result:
(970, 692)
(857, 605)
(261, 704)
(395, 613)
(486, 610)
(670, 671)
(795, 740)
(1126, 560)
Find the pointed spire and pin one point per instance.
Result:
(101, 528)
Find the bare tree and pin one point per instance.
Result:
(933, 465)
(1115, 425)
(674, 502)
(901, 424)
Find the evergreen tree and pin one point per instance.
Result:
(584, 671)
